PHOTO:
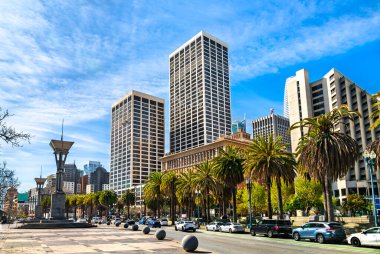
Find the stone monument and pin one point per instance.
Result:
(61, 149)
(38, 213)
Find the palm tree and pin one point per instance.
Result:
(186, 189)
(375, 115)
(205, 182)
(324, 152)
(152, 189)
(168, 185)
(73, 204)
(128, 198)
(267, 160)
(90, 200)
(229, 170)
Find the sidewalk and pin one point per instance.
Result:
(104, 239)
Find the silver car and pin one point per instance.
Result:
(232, 227)
(214, 226)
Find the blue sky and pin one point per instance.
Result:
(73, 59)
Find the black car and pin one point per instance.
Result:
(272, 228)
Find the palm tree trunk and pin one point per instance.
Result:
(330, 206)
(172, 205)
(325, 200)
(204, 207)
(279, 197)
(208, 206)
(234, 203)
(128, 208)
(269, 201)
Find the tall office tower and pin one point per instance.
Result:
(272, 124)
(199, 93)
(236, 125)
(97, 178)
(137, 141)
(91, 167)
(310, 99)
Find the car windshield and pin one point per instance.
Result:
(164, 220)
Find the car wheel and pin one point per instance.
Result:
(270, 233)
(183, 229)
(230, 231)
(176, 229)
(253, 232)
(320, 238)
(355, 242)
(296, 236)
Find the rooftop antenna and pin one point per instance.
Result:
(62, 129)
(271, 111)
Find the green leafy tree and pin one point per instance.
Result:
(168, 186)
(107, 198)
(45, 203)
(259, 199)
(152, 190)
(355, 203)
(205, 183)
(267, 160)
(128, 199)
(324, 152)
(229, 170)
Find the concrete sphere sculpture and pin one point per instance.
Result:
(108, 223)
(160, 234)
(146, 230)
(135, 227)
(189, 243)
(126, 225)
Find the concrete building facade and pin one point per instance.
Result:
(137, 140)
(310, 99)
(199, 81)
(272, 124)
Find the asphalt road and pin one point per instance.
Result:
(225, 243)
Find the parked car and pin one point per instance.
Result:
(95, 220)
(153, 223)
(369, 237)
(142, 221)
(71, 219)
(164, 222)
(214, 226)
(117, 221)
(81, 220)
(272, 228)
(185, 226)
(232, 227)
(320, 232)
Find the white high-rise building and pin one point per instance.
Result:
(137, 141)
(200, 109)
(310, 99)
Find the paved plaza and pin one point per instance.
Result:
(103, 239)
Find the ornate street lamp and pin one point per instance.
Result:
(370, 158)
(248, 182)
(61, 149)
(38, 213)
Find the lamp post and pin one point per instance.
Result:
(61, 149)
(248, 182)
(370, 158)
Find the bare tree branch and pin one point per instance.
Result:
(9, 134)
